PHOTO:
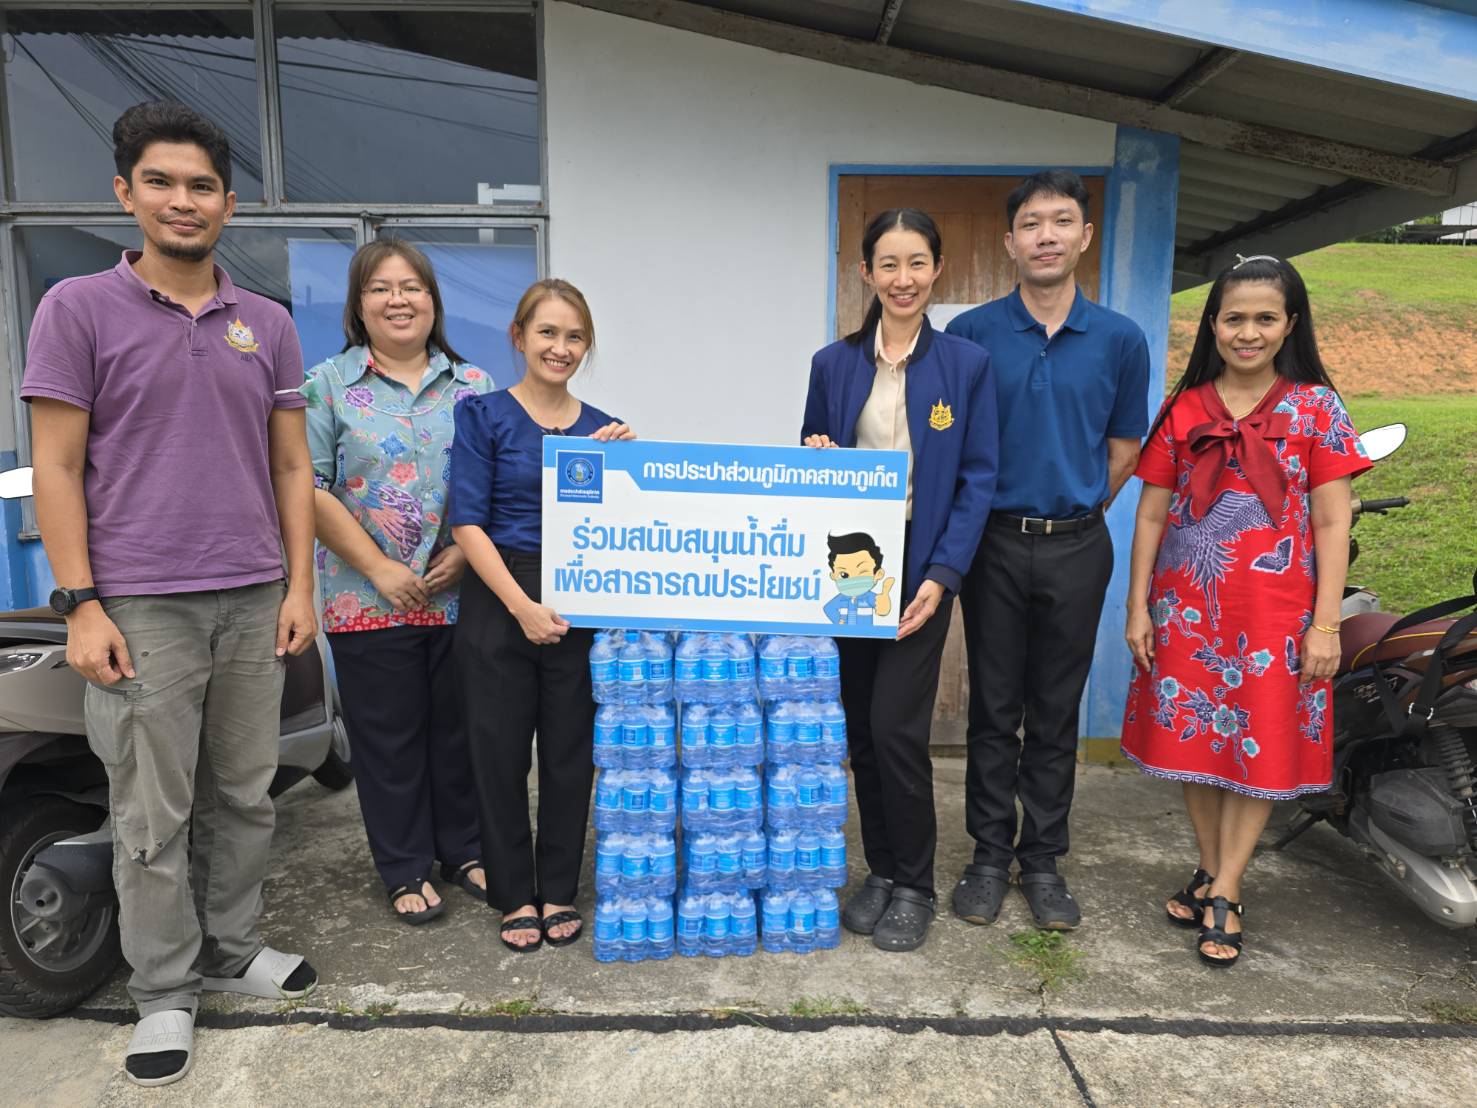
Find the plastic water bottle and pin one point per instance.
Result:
(633, 862)
(691, 917)
(827, 920)
(833, 794)
(807, 859)
(781, 797)
(662, 862)
(799, 666)
(833, 731)
(609, 853)
(716, 925)
(722, 735)
(807, 733)
(780, 740)
(695, 799)
(782, 859)
(730, 860)
(695, 729)
(749, 734)
(660, 938)
(748, 797)
(717, 670)
(771, 666)
(688, 669)
(608, 790)
(809, 794)
(661, 726)
(607, 743)
(743, 925)
(633, 929)
(603, 669)
(722, 797)
(802, 923)
(607, 931)
(755, 858)
(827, 669)
(833, 858)
(741, 665)
(631, 671)
(661, 801)
(775, 920)
(633, 735)
(659, 685)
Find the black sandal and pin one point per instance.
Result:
(569, 915)
(1186, 898)
(980, 892)
(1219, 907)
(521, 923)
(416, 888)
(460, 875)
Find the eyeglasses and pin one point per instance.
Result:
(410, 290)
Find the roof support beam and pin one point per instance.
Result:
(888, 20)
(1347, 160)
(1206, 68)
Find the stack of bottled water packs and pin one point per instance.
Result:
(806, 793)
(635, 746)
(724, 850)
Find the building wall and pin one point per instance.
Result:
(689, 194)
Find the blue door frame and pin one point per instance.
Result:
(1136, 274)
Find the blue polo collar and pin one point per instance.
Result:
(1022, 320)
(354, 363)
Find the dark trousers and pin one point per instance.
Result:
(1031, 606)
(888, 689)
(403, 709)
(513, 689)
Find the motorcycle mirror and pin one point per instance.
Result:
(1381, 442)
(15, 483)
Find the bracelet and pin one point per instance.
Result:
(1325, 630)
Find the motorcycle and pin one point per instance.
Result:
(1404, 784)
(59, 925)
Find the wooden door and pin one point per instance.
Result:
(970, 212)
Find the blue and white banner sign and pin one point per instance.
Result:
(704, 537)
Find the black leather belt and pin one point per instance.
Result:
(1029, 525)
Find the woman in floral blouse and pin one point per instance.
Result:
(380, 428)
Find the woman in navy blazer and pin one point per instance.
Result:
(896, 383)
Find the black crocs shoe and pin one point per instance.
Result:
(904, 925)
(867, 905)
(980, 892)
(1053, 906)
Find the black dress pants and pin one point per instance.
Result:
(403, 710)
(1031, 606)
(888, 689)
(513, 689)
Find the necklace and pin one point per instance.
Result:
(1254, 404)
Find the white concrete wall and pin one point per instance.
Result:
(688, 199)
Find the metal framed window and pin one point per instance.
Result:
(509, 213)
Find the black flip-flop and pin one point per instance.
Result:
(416, 888)
(980, 892)
(1053, 906)
(461, 875)
(569, 915)
(521, 923)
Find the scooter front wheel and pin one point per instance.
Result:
(48, 965)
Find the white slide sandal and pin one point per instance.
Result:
(264, 977)
(158, 1034)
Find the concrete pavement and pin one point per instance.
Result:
(1335, 1002)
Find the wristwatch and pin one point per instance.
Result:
(64, 601)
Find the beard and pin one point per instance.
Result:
(186, 251)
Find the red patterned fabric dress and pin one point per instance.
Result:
(1232, 596)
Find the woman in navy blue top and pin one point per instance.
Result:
(523, 668)
(896, 384)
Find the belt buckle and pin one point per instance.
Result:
(1026, 522)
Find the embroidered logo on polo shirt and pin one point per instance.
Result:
(941, 416)
(239, 336)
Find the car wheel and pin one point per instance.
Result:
(48, 966)
(337, 770)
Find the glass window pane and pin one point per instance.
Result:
(409, 107)
(305, 269)
(70, 73)
(482, 271)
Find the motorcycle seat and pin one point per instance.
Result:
(1359, 635)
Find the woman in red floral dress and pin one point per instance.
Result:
(1239, 559)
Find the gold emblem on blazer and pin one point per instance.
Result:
(239, 336)
(941, 416)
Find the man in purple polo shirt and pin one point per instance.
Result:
(171, 472)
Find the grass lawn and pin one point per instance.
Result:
(1427, 552)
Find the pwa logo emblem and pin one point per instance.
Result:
(579, 476)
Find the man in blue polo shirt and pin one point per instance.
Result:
(1072, 379)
